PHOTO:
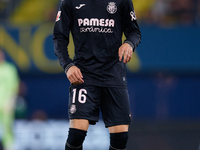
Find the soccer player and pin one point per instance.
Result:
(97, 72)
(9, 84)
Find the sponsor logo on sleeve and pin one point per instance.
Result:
(58, 16)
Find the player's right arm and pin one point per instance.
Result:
(61, 34)
(61, 40)
(74, 75)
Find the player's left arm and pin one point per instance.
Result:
(131, 31)
(125, 50)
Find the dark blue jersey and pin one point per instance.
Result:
(97, 27)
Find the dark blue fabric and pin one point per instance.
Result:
(75, 139)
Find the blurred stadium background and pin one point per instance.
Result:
(164, 77)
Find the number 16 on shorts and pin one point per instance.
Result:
(81, 96)
(77, 97)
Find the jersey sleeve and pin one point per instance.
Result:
(130, 25)
(61, 33)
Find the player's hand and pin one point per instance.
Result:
(74, 75)
(125, 50)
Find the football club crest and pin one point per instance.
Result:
(112, 8)
(72, 109)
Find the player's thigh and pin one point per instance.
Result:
(81, 124)
(84, 103)
(115, 108)
(118, 128)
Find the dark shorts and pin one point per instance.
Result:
(86, 101)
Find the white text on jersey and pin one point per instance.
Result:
(96, 22)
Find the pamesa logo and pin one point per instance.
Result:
(96, 25)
